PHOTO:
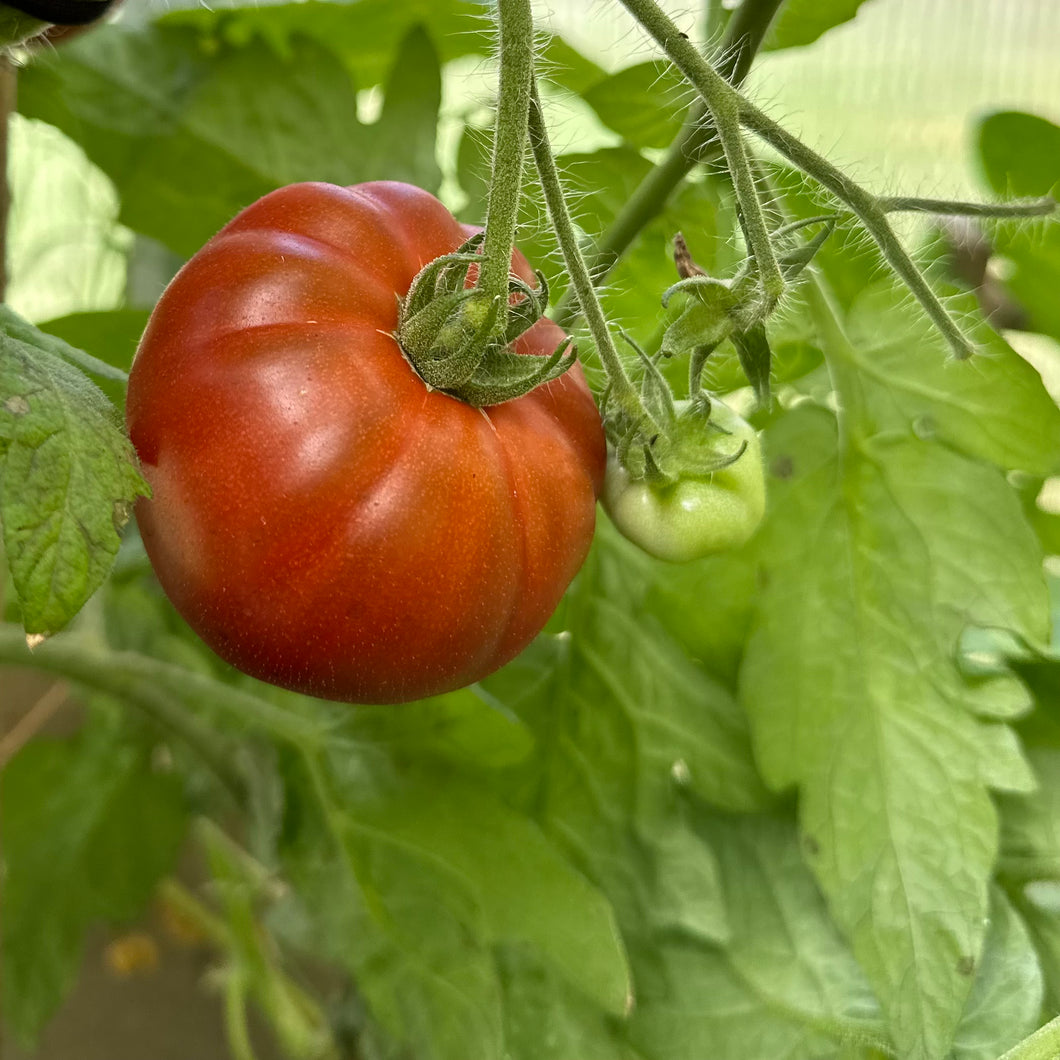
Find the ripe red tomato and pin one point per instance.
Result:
(319, 517)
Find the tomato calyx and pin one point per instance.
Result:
(695, 490)
(674, 440)
(684, 478)
(451, 332)
(733, 308)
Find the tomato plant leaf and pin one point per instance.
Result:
(402, 143)
(398, 921)
(113, 334)
(803, 21)
(192, 134)
(786, 983)
(980, 406)
(872, 733)
(756, 358)
(1030, 834)
(67, 476)
(545, 1020)
(523, 890)
(1040, 908)
(365, 35)
(435, 873)
(1020, 155)
(610, 680)
(88, 831)
(1006, 999)
(644, 104)
(567, 66)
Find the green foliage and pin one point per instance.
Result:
(1020, 155)
(874, 710)
(644, 104)
(67, 475)
(112, 336)
(167, 115)
(89, 828)
(768, 804)
(803, 21)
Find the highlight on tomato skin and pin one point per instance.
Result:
(319, 517)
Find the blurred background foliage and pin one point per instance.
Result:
(376, 817)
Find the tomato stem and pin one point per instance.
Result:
(696, 142)
(724, 101)
(622, 391)
(724, 104)
(160, 690)
(1042, 207)
(515, 59)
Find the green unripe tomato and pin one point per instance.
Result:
(697, 515)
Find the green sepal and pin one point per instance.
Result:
(445, 342)
(447, 274)
(502, 376)
(652, 470)
(752, 347)
(528, 309)
(655, 393)
(793, 261)
(687, 447)
(697, 362)
(706, 318)
(453, 336)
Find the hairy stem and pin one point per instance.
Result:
(515, 59)
(869, 211)
(622, 390)
(143, 681)
(957, 208)
(752, 217)
(723, 103)
(720, 97)
(697, 142)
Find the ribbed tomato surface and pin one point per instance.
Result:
(319, 517)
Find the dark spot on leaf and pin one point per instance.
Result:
(17, 405)
(966, 966)
(782, 467)
(924, 427)
(813, 848)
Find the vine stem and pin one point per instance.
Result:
(1042, 207)
(516, 61)
(723, 101)
(752, 218)
(695, 143)
(1043, 1044)
(156, 687)
(95, 667)
(175, 896)
(622, 390)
